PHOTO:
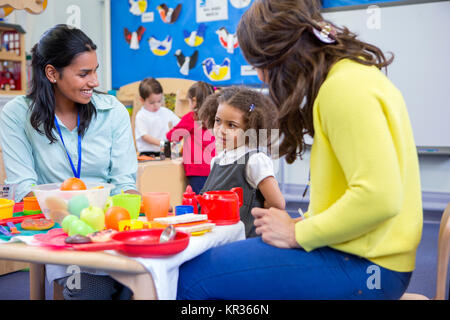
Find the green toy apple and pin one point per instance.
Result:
(67, 221)
(80, 227)
(94, 217)
(77, 204)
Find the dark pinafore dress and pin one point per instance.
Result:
(226, 177)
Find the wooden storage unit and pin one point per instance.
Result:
(12, 59)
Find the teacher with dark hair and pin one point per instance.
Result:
(63, 128)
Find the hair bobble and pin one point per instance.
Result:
(252, 106)
(324, 31)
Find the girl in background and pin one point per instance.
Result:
(240, 117)
(198, 146)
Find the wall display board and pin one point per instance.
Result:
(193, 39)
(415, 34)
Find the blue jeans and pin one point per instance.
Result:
(196, 182)
(251, 269)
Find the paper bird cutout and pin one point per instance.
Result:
(138, 7)
(216, 72)
(195, 38)
(186, 63)
(239, 4)
(227, 40)
(160, 48)
(169, 15)
(31, 6)
(133, 38)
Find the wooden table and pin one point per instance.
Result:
(127, 271)
(162, 176)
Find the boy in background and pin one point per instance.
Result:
(153, 120)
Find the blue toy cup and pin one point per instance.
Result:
(183, 209)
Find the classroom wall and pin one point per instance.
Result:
(88, 15)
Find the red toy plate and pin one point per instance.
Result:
(54, 238)
(140, 243)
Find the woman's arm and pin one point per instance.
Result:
(272, 193)
(16, 148)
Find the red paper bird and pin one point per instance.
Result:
(133, 38)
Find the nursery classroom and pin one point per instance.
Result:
(224, 150)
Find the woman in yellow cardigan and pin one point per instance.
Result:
(358, 239)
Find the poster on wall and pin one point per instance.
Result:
(211, 10)
(193, 40)
(344, 3)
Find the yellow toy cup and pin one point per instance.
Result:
(6, 208)
(132, 224)
(131, 202)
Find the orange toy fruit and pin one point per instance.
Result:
(73, 184)
(115, 214)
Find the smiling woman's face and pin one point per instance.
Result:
(77, 81)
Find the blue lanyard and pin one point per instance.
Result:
(76, 173)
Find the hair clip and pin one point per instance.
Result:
(252, 106)
(327, 32)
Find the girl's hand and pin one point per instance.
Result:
(276, 227)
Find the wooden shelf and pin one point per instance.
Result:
(11, 56)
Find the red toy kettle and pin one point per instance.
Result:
(189, 199)
(222, 207)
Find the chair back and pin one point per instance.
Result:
(443, 254)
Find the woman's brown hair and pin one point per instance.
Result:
(199, 90)
(277, 36)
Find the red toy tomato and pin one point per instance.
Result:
(115, 214)
(73, 184)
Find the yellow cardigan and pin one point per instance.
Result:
(365, 196)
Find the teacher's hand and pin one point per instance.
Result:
(276, 227)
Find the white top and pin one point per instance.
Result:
(259, 165)
(155, 124)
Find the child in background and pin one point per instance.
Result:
(199, 145)
(236, 112)
(153, 120)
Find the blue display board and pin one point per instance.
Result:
(342, 3)
(129, 65)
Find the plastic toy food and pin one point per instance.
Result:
(94, 217)
(113, 215)
(77, 239)
(73, 184)
(77, 204)
(80, 227)
(67, 222)
(37, 224)
(102, 236)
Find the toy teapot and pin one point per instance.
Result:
(222, 207)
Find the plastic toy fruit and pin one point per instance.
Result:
(94, 217)
(73, 184)
(108, 204)
(65, 224)
(77, 204)
(115, 214)
(80, 227)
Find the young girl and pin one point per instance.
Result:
(199, 146)
(239, 117)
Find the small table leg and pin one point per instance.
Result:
(141, 284)
(37, 281)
